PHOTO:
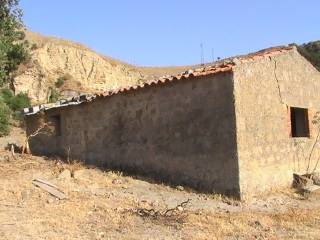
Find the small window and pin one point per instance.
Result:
(55, 124)
(299, 122)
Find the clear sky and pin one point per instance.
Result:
(169, 32)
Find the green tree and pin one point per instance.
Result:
(13, 48)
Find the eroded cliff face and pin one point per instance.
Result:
(83, 70)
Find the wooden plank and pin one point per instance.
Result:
(45, 182)
(50, 188)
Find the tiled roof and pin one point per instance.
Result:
(225, 65)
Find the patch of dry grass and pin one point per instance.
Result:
(294, 224)
(100, 206)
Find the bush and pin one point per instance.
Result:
(15, 103)
(5, 115)
(19, 102)
(6, 95)
(34, 46)
(61, 80)
(54, 95)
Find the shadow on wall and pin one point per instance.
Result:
(182, 133)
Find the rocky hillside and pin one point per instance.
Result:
(60, 68)
(64, 68)
(69, 69)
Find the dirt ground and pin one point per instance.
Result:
(108, 205)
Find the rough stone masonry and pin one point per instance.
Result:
(238, 127)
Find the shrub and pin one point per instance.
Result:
(19, 102)
(61, 80)
(6, 95)
(34, 46)
(15, 103)
(54, 95)
(5, 115)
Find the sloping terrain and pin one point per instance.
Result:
(69, 69)
(81, 70)
(107, 205)
(103, 204)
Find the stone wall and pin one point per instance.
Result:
(182, 132)
(265, 90)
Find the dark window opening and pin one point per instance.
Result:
(55, 124)
(299, 122)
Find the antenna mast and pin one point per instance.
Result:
(212, 54)
(202, 54)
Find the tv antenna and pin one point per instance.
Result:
(202, 54)
(212, 54)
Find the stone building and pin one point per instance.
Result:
(241, 126)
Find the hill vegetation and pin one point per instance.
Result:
(311, 51)
(14, 50)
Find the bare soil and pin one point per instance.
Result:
(108, 205)
(147, 72)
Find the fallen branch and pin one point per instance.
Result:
(164, 213)
(179, 207)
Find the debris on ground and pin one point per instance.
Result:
(50, 188)
(301, 181)
(13, 147)
(312, 188)
(104, 204)
(180, 188)
(65, 174)
(307, 185)
(316, 178)
(117, 181)
(143, 212)
(82, 174)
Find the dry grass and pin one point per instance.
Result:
(41, 41)
(293, 224)
(147, 72)
(102, 205)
